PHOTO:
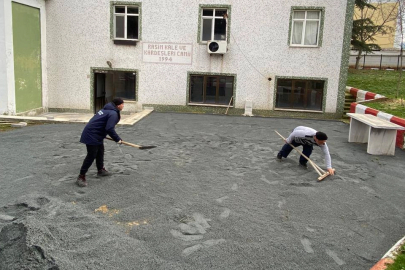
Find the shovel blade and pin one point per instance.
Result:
(147, 147)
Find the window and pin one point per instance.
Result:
(124, 84)
(211, 89)
(213, 24)
(126, 22)
(306, 28)
(300, 94)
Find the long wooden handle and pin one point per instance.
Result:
(316, 167)
(126, 143)
(142, 147)
(229, 105)
(131, 144)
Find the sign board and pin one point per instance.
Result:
(167, 53)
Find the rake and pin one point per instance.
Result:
(322, 173)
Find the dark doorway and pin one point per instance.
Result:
(109, 84)
(99, 91)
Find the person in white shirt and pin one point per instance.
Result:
(307, 137)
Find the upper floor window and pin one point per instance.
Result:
(126, 22)
(213, 24)
(306, 28)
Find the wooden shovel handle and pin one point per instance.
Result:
(133, 145)
(126, 143)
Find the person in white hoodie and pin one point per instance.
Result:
(307, 137)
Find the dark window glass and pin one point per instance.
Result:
(211, 90)
(225, 90)
(222, 90)
(132, 10)
(220, 12)
(119, 9)
(119, 26)
(316, 95)
(208, 12)
(206, 32)
(216, 90)
(124, 84)
(299, 94)
(283, 93)
(196, 88)
(220, 29)
(132, 27)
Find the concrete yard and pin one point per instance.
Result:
(211, 196)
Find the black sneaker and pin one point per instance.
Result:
(304, 165)
(279, 156)
(81, 181)
(103, 172)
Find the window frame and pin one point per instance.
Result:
(306, 79)
(200, 20)
(205, 75)
(113, 14)
(321, 20)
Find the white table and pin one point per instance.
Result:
(380, 134)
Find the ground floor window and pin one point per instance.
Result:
(299, 94)
(109, 84)
(211, 89)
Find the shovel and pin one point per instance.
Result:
(142, 147)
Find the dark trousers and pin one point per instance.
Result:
(307, 150)
(94, 152)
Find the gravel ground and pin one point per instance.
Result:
(211, 196)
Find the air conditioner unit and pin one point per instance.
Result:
(217, 46)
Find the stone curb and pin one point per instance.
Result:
(389, 257)
(356, 107)
(77, 118)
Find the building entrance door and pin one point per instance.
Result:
(99, 91)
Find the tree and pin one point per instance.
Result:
(371, 19)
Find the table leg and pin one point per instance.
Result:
(358, 131)
(382, 141)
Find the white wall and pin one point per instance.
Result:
(78, 37)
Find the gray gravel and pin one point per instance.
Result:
(211, 196)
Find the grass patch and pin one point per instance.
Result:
(380, 82)
(5, 127)
(391, 106)
(399, 263)
(377, 81)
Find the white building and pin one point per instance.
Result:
(287, 58)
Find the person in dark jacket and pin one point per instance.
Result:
(100, 125)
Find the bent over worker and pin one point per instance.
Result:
(100, 125)
(307, 137)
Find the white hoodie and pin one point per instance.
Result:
(305, 135)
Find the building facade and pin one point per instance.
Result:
(279, 56)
